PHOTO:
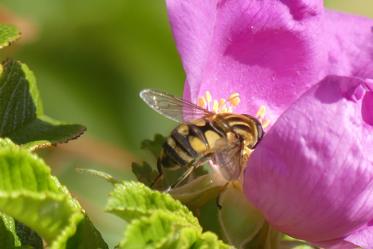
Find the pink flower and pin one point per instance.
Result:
(312, 175)
(269, 51)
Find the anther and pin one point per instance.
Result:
(202, 102)
(224, 109)
(222, 105)
(215, 106)
(234, 99)
(221, 102)
(219, 106)
(261, 112)
(266, 123)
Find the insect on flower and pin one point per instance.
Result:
(202, 135)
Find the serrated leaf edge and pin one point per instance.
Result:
(74, 219)
(11, 40)
(160, 214)
(180, 209)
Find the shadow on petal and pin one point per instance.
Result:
(268, 48)
(367, 108)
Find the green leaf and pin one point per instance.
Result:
(32, 196)
(86, 236)
(8, 34)
(21, 111)
(48, 214)
(209, 240)
(152, 231)
(132, 200)
(157, 220)
(107, 177)
(23, 171)
(167, 230)
(14, 234)
(43, 133)
(8, 233)
(144, 172)
(239, 220)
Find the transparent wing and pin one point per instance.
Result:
(227, 159)
(172, 107)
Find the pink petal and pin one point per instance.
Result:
(268, 51)
(350, 42)
(301, 9)
(192, 23)
(362, 238)
(262, 52)
(312, 174)
(367, 110)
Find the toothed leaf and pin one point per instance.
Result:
(8, 34)
(21, 112)
(157, 220)
(8, 233)
(29, 194)
(167, 230)
(132, 200)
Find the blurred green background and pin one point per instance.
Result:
(91, 58)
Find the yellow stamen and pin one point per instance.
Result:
(235, 99)
(261, 112)
(221, 103)
(215, 106)
(224, 109)
(202, 102)
(266, 123)
(219, 106)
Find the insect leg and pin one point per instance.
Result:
(184, 176)
(191, 167)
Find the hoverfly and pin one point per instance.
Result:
(202, 136)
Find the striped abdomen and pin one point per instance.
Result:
(193, 142)
(248, 128)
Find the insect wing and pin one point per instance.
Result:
(173, 107)
(228, 160)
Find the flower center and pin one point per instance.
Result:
(219, 106)
(228, 105)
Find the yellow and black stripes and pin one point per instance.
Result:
(191, 141)
(245, 126)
